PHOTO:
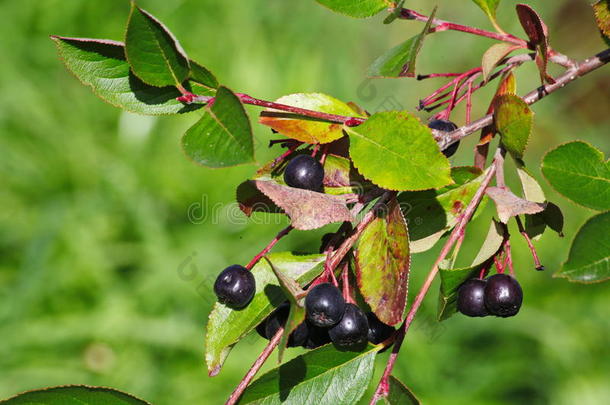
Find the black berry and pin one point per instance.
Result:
(276, 320)
(470, 298)
(352, 331)
(445, 126)
(378, 331)
(299, 336)
(324, 305)
(317, 336)
(503, 295)
(303, 171)
(235, 286)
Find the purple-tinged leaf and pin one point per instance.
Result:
(154, 54)
(493, 56)
(538, 35)
(509, 205)
(382, 264)
(306, 209)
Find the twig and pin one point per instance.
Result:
(382, 387)
(522, 231)
(267, 248)
(243, 384)
(442, 25)
(581, 69)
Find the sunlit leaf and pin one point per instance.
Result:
(324, 376)
(355, 8)
(579, 171)
(513, 120)
(396, 151)
(74, 395)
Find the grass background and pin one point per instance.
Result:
(101, 213)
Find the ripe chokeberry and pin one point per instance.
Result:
(317, 336)
(304, 171)
(378, 331)
(269, 327)
(235, 286)
(503, 295)
(445, 126)
(352, 331)
(470, 298)
(324, 305)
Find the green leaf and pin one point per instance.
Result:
(432, 213)
(296, 316)
(306, 209)
(382, 264)
(589, 258)
(202, 75)
(399, 394)
(324, 376)
(395, 12)
(400, 60)
(74, 395)
(154, 54)
(531, 189)
(451, 279)
(493, 56)
(223, 136)
(304, 129)
(552, 217)
(489, 7)
(227, 326)
(396, 151)
(355, 8)
(513, 120)
(578, 171)
(101, 65)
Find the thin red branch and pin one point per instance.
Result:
(530, 245)
(243, 384)
(442, 25)
(267, 248)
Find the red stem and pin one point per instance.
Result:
(243, 384)
(442, 25)
(266, 250)
(530, 245)
(382, 388)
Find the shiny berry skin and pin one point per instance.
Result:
(304, 171)
(470, 298)
(445, 126)
(378, 331)
(324, 305)
(503, 295)
(235, 286)
(352, 331)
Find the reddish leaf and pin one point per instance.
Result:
(509, 205)
(307, 209)
(538, 35)
(382, 264)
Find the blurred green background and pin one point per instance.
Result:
(110, 239)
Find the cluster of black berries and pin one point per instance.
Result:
(498, 295)
(445, 126)
(329, 319)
